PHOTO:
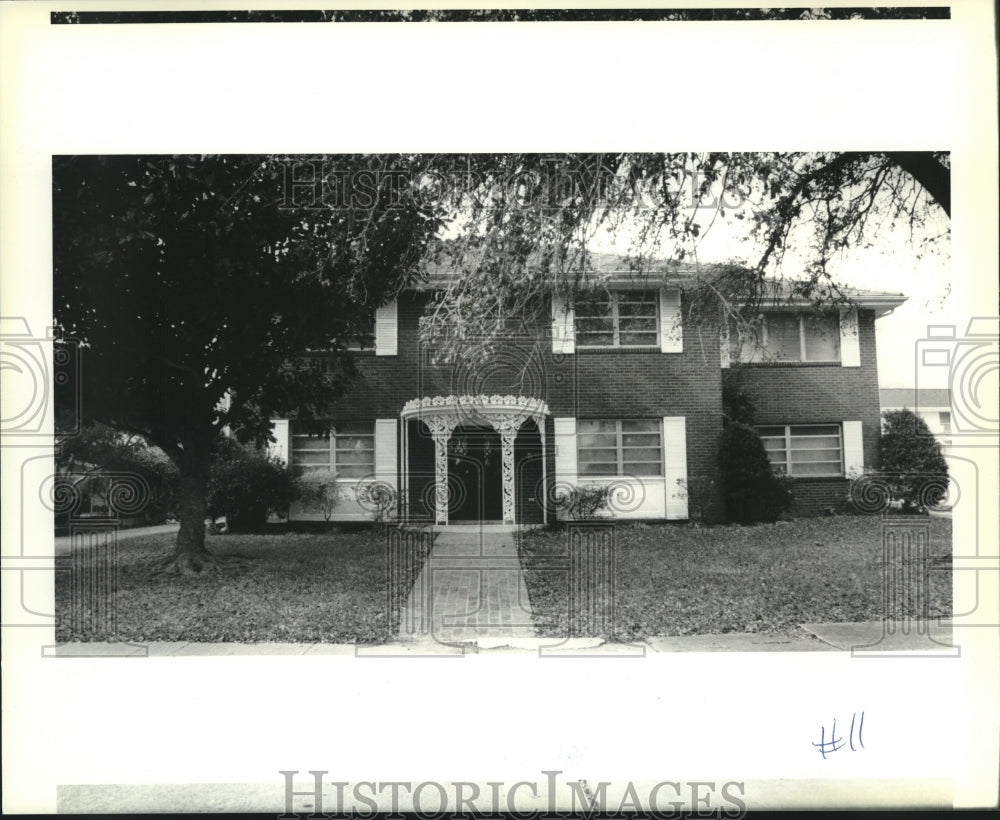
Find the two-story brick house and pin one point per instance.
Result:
(619, 390)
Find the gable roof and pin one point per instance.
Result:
(914, 398)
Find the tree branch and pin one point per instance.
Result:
(929, 172)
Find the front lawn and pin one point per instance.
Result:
(676, 580)
(328, 588)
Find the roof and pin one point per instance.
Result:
(914, 398)
(611, 269)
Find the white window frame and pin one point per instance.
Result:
(802, 317)
(766, 358)
(613, 297)
(331, 449)
(619, 449)
(786, 469)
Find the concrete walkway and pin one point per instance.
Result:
(471, 587)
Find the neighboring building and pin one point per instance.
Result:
(933, 405)
(621, 391)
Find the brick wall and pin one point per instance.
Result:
(638, 384)
(587, 384)
(818, 394)
(623, 384)
(814, 496)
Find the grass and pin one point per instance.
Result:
(677, 580)
(328, 588)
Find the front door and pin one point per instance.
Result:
(475, 475)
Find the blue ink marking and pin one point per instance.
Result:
(835, 744)
(861, 726)
(830, 746)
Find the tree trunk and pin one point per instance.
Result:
(190, 545)
(190, 556)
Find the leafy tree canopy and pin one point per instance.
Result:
(195, 284)
(187, 278)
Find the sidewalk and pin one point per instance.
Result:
(905, 636)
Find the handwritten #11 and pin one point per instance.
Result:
(836, 743)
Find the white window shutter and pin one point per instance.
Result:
(279, 448)
(724, 342)
(386, 326)
(385, 452)
(675, 466)
(565, 439)
(854, 449)
(563, 320)
(850, 349)
(671, 328)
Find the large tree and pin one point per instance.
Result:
(195, 285)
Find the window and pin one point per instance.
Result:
(944, 419)
(790, 337)
(349, 451)
(804, 449)
(369, 344)
(627, 318)
(619, 447)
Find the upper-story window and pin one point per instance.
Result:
(623, 318)
(789, 337)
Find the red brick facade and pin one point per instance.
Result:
(817, 394)
(620, 384)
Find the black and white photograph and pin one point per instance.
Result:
(407, 430)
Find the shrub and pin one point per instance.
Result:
(245, 485)
(737, 405)
(752, 490)
(913, 468)
(162, 476)
(90, 459)
(318, 490)
(378, 498)
(585, 501)
(698, 491)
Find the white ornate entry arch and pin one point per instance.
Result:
(505, 414)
